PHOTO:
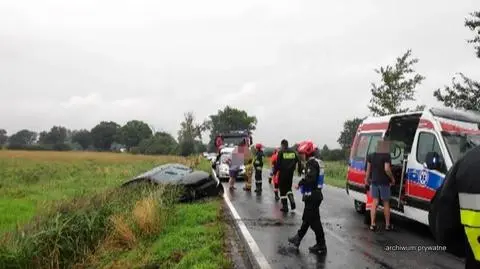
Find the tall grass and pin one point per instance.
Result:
(59, 209)
(73, 231)
(31, 181)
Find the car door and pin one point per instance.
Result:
(421, 181)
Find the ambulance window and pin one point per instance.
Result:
(373, 143)
(427, 142)
(362, 146)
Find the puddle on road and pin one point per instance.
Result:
(288, 251)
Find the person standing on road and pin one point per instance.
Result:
(286, 162)
(311, 187)
(454, 214)
(273, 160)
(248, 163)
(274, 177)
(379, 171)
(258, 165)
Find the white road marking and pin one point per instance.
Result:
(257, 254)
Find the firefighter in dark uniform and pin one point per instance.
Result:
(454, 215)
(286, 162)
(312, 197)
(258, 165)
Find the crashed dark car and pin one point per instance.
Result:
(196, 184)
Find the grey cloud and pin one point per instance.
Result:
(292, 63)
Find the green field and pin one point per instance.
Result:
(335, 173)
(63, 210)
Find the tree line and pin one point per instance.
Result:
(135, 136)
(398, 84)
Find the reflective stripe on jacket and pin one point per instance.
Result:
(470, 218)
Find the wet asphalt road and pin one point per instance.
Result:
(350, 243)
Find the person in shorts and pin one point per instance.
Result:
(380, 178)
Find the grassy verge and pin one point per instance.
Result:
(335, 173)
(82, 222)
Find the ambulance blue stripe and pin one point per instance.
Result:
(357, 165)
(434, 179)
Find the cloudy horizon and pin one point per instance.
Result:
(76, 63)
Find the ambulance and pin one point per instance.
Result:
(424, 145)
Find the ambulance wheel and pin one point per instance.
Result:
(366, 218)
(359, 207)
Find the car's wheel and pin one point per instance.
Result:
(359, 207)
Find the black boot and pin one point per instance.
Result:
(284, 205)
(292, 201)
(258, 188)
(319, 248)
(276, 196)
(295, 240)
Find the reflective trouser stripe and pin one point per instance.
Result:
(473, 235)
(283, 197)
(275, 190)
(470, 218)
(290, 192)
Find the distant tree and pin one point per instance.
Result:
(327, 154)
(418, 108)
(229, 119)
(200, 147)
(348, 133)
(473, 24)
(190, 132)
(161, 143)
(135, 131)
(395, 87)
(22, 138)
(83, 138)
(56, 135)
(3, 137)
(464, 95)
(104, 134)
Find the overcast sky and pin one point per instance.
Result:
(75, 63)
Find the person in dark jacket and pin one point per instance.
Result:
(258, 165)
(454, 215)
(312, 197)
(286, 161)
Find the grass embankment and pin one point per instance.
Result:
(335, 173)
(60, 210)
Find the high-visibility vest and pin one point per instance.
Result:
(470, 218)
